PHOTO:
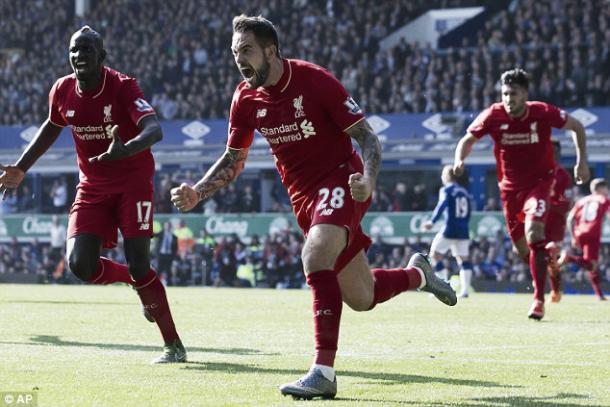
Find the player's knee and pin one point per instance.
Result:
(81, 266)
(317, 257)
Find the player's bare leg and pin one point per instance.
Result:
(554, 271)
(363, 288)
(360, 288)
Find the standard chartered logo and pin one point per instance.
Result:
(307, 128)
(382, 226)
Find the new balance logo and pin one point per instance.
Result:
(327, 212)
(70, 113)
(504, 127)
(144, 226)
(307, 128)
(261, 113)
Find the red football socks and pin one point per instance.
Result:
(153, 298)
(538, 265)
(109, 272)
(327, 305)
(594, 279)
(391, 282)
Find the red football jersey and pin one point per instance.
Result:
(91, 115)
(561, 194)
(522, 146)
(303, 118)
(589, 214)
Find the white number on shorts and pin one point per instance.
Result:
(336, 198)
(590, 211)
(146, 205)
(540, 208)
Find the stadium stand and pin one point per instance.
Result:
(179, 53)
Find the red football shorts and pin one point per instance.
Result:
(103, 214)
(525, 205)
(555, 226)
(590, 247)
(331, 203)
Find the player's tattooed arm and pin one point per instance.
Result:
(363, 133)
(362, 185)
(222, 173)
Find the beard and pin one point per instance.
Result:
(260, 75)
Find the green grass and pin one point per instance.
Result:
(91, 346)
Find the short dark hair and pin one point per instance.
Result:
(515, 76)
(598, 183)
(263, 29)
(90, 32)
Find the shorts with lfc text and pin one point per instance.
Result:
(103, 214)
(525, 205)
(331, 203)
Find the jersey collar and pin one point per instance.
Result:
(284, 81)
(92, 93)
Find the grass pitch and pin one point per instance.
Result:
(91, 346)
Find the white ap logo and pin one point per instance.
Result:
(298, 106)
(107, 113)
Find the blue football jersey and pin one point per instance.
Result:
(455, 203)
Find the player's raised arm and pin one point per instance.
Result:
(581, 169)
(462, 150)
(12, 175)
(363, 185)
(223, 172)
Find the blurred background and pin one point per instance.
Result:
(420, 69)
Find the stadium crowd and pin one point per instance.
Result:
(187, 258)
(179, 52)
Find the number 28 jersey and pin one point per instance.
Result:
(304, 118)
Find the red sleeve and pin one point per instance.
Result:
(557, 118)
(480, 126)
(342, 109)
(133, 100)
(55, 116)
(241, 132)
